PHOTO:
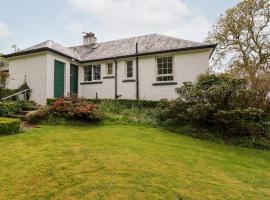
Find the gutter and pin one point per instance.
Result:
(214, 48)
(115, 80)
(43, 49)
(137, 73)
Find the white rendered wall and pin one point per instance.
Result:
(104, 90)
(31, 69)
(38, 71)
(186, 67)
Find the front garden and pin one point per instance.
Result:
(128, 149)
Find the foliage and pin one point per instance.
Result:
(116, 113)
(38, 116)
(243, 38)
(62, 107)
(86, 111)
(3, 73)
(222, 102)
(9, 126)
(3, 78)
(4, 92)
(124, 103)
(10, 107)
(3, 62)
(75, 108)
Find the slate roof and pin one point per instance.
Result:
(49, 44)
(147, 44)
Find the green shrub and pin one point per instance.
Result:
(9, 126)
(123, 103)
(10, 107)
(241, 121)
(38, 116)
(220, 102)
(4, 92)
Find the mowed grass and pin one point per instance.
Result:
(127, 162)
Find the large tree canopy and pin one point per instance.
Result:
(243, 37)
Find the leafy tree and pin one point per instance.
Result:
(243, 37)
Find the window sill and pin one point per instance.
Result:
(128, 80)
(91, 82)
(164, 83)
(108, 77)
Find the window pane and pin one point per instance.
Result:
(164, 69)
(129, 72)
(129, 69)
(165, 78)
(129, 63)
(110, 69)
(96, 69)
(88, 73)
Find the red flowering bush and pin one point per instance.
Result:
(62, 107)
(78, 109)
(87, 111)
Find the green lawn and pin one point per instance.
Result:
(127, 162)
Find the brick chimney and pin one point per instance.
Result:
(89, 38)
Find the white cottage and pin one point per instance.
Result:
(146, 67)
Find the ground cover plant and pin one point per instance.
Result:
(127, 162)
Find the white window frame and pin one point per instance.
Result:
(164, 75)
(107, 65)
(92, 72)
(126, 71)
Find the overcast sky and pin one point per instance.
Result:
(28, 22)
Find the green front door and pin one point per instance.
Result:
(59, 70)
(73, 79)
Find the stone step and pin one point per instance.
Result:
(17, 116)
(30, 109)
(23, 112)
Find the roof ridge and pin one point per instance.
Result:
(180, 39)
(133, 37)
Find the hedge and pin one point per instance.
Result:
(9, 107)
(127, 103)
(9, 126)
